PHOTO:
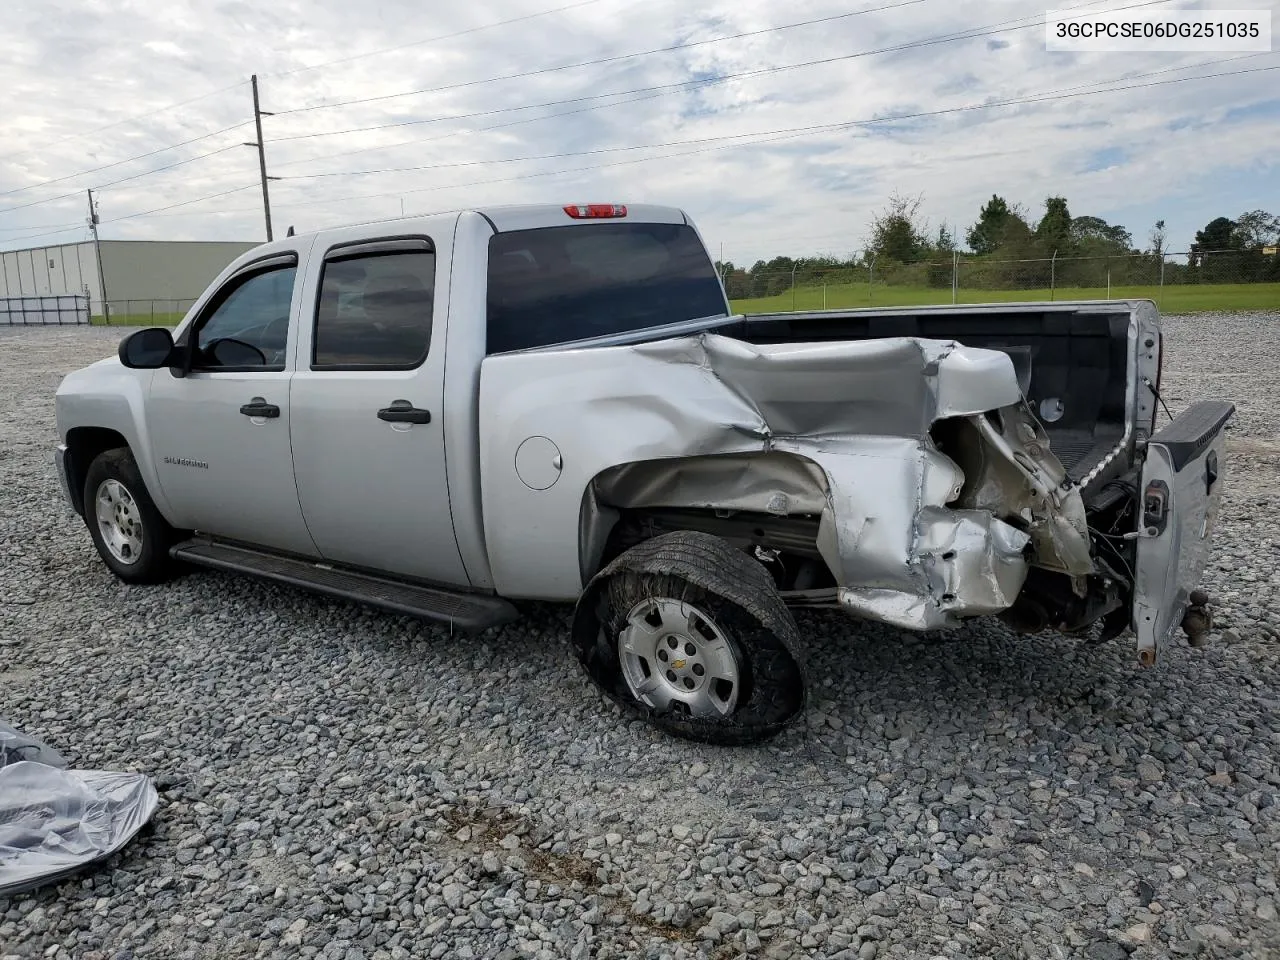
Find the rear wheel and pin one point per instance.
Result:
(690, 634)
(132, 537)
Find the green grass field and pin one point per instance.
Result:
(1170, 299)
(147, 319)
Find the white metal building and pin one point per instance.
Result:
(125, 271)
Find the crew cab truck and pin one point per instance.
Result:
(447, 415)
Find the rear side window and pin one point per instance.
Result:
(559, 284)
(375, 311)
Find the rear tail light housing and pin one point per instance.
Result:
(595, 211)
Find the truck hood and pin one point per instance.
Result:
(107, 366)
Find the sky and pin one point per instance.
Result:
(491, 102)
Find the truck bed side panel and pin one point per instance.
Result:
(552, 421)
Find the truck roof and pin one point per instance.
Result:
(528, 216)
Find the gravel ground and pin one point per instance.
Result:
(341, 783)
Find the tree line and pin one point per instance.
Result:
(1007, 248)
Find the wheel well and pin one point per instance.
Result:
(767, 504)
(786, 546)
(83, 446)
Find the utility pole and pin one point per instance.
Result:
(97, 251)
(258, 114)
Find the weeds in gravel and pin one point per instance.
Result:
(489, 826)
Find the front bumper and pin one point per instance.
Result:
(60, 458)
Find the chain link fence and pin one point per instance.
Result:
(142, 313)
(1177, 282)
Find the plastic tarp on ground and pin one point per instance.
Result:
(53, 821)
(16, 745)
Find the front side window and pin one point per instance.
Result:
(375, 311)
(249, 326)
(560, 284)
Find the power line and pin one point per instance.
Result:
(759, 138)
(600, 150)
(148, 213)
(36, 203)
(964, 35)
(118, 123)
(181, 203)
(41, 226)
(764, 137)
(652, 92)
(239, 83)
(170, 166)
(601, 60)
(118, 163)
(776, 136)
(513, 20)
(436, 39)
(41, 236)
(128, 179)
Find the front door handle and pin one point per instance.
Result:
(402, 411)
(258, 407)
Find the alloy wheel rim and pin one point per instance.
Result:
(674, 657)
(119, 521)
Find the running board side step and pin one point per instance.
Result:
(465, 611)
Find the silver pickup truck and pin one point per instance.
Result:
(447, 415)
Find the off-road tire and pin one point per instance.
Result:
(737, 593)
(154, 565)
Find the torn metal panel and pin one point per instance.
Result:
(900, 554)
(973, 565)
(878, 485)
(1010, 471)
(840, 430)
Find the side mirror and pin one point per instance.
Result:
(147, 349)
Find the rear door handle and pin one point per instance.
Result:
(402, 411)
(258, 407)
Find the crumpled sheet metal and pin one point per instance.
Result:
(973, 565)
(911, 561)
(16, 746)
(855, 417)
(55, 822)
(761, 482)
(887, 387)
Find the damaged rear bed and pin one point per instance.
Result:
(912, 469)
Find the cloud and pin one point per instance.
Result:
(74, 66)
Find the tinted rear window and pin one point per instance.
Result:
(558, 284)
(375, 311)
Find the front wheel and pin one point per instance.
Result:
(132, 537)
(690, 634)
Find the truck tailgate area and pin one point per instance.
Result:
(1072, 361)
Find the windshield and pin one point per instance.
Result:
(559, 284)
